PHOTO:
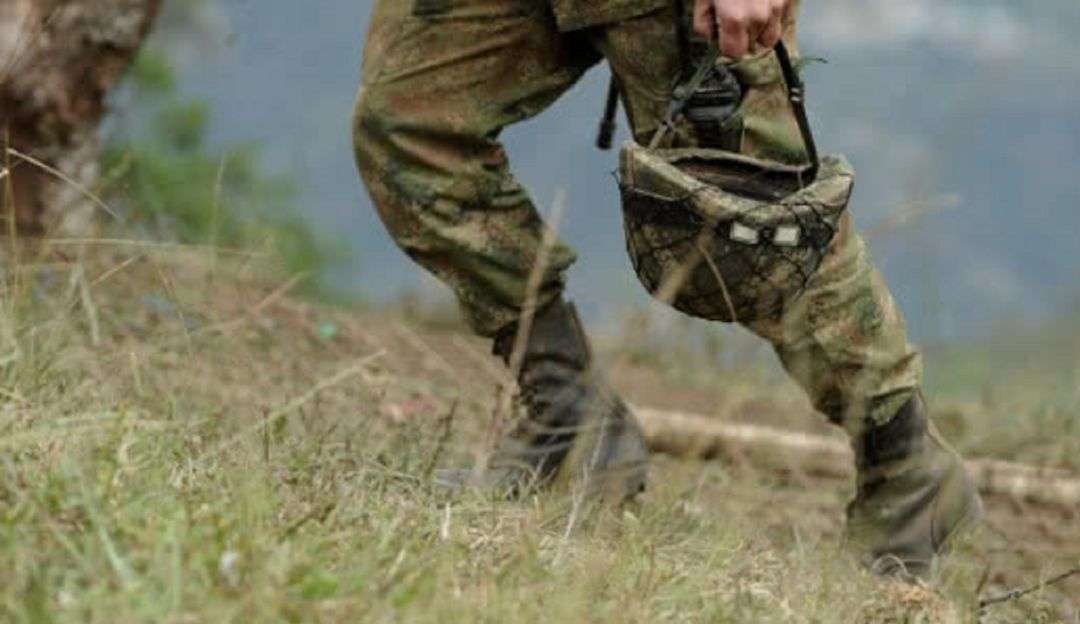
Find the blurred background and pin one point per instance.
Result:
(961, 117)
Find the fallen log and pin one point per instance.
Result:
(693, 435)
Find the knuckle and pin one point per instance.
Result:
(735, 44)
(734, 16)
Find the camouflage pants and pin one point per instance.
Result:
(442, 78)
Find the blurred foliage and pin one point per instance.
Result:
(170, 183)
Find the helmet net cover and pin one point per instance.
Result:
(725, 237)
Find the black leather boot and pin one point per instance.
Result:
(913, 495)
(570, 412)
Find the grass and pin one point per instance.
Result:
(182, 441)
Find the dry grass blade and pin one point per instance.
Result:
(446, 428)
(88, 306)
(431, 355)
(158, 246)
(675, 279)
(1020, 593)
(63, 177)
(258, 308)
(15, 396)
(104, 277)
(528, 313)
(907, 214)
(482, 360)
(52, 435)
(355, 370)
(699, 244)
(536, 276)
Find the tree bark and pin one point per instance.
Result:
(58, 61)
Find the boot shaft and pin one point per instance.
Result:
(553, 333)
(900, 438)
(913, 494)
(570, 410)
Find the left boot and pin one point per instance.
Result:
(575, 424)
(913, 495)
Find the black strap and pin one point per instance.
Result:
(682, 33)
(796, 97)
(606, 135)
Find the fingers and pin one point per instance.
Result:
(734, 38)
(704, 19)
(743, 24)
(773, 30)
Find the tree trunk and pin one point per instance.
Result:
(58, 61)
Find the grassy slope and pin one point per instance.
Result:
(181, 441)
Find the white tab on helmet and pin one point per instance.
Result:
(744, 234)
(787, 236)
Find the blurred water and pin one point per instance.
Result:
(974, 100)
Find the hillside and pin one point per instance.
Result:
(183, 441)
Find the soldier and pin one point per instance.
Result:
(442, 78)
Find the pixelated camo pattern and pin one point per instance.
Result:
(442, 78)
(679, 234)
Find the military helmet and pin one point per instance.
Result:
(723, 236)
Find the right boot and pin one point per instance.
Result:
(913, 495)
(571, 413)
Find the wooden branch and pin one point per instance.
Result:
(693, 435)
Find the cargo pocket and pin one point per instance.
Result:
(769, 128)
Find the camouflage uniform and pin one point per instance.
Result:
(441, 78)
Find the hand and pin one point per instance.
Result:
(742, 24)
